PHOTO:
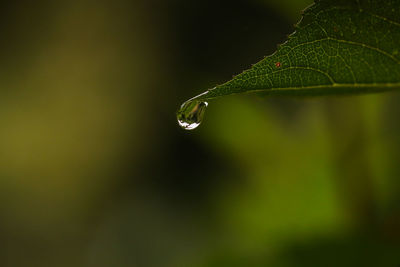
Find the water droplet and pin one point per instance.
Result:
(191, 114)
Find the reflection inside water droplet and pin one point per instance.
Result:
(191, 114)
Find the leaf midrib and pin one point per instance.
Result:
(384, 86)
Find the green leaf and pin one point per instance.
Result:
(339, 47)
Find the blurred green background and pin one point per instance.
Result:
(94, 170)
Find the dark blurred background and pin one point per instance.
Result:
(95, 171)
